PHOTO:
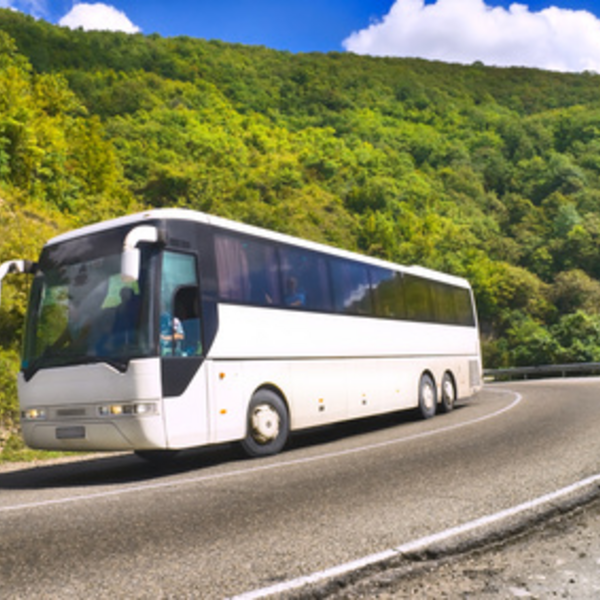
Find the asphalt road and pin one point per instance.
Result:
(216, 525)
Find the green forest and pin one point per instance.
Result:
(491, 174)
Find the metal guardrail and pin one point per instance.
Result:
(541, 371)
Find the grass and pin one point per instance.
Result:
(15, 450)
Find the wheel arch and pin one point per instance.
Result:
(450, 373)
(271, 387)
(431, 374)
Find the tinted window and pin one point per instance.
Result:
(419, 306)
(351, 287)
(443, 303)
(253, 271)
(451, 305)
(305, 279)
(247, 270)
(463, 307)
(388, 293)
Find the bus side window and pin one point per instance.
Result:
(247, 270)
(305, 279)
(352, 288)
(186, 310)
(179, 306)
(419, 304)
(464, 307)
(388, 293)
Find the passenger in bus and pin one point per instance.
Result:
(171, 335)
(293, 295)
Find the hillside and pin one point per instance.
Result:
(492, 174)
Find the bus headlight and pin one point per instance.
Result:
(128, 410)
(34, 414)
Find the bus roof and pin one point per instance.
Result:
(223, 223)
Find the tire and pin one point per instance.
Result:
(448, 393)
(268, 425)
(427, 396)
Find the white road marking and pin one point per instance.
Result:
(258, 468)
(423, 543)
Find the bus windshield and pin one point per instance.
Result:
(81, 311)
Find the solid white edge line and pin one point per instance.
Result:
(419, 544)
(260, 468)
(423, 543)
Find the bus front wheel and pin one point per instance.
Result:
(427, 396)
(268, 425)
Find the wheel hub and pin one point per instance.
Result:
(428, 397)
(448, 390)
(264, 424)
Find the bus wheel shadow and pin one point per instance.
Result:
(328, 434)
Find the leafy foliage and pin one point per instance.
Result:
(492, 174)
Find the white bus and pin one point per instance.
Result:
(173, 329)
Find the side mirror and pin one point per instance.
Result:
(130, 265)
(130, 257)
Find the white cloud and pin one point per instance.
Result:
(33, 7)
(98, 16)
(466, 31)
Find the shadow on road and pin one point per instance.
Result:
(121, 468)
(91, 470)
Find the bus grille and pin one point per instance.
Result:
(66, 413)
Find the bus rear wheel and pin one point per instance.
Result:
(448, 393)
(268, 425)
(427, 396)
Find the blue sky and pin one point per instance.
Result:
(559, 35)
